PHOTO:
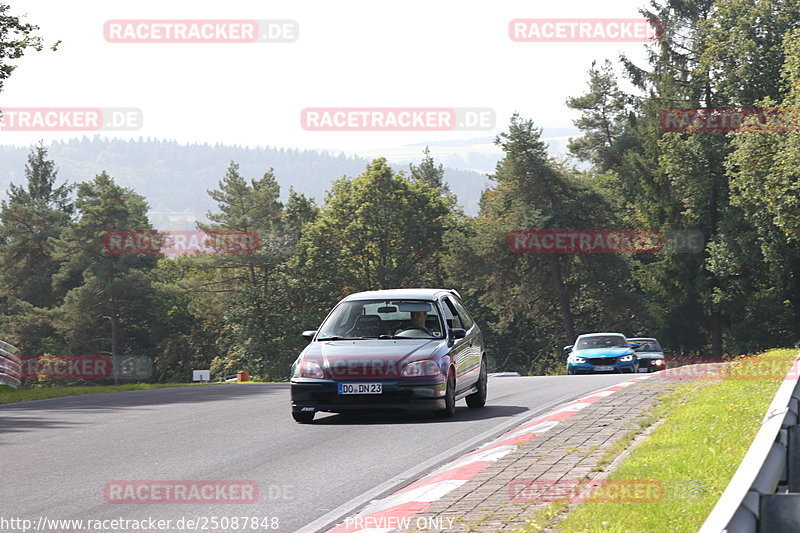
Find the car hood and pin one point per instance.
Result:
(650, 355)
(602, 352)
(378, 358)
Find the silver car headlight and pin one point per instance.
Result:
(626, 358)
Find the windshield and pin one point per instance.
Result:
(604, 341)
(648, 346)
(383, 319)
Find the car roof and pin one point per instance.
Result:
(414, 294)
(650, 339)
(599, 334)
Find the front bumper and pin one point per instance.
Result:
(589, 368)
(649, 364)
(417, 394)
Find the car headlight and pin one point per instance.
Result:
(576, 359)
(308, 369)
(626, 358)
(421, 368)
(657, 362)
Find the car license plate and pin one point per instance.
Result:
(603, 368)
(642, 370)
(360, 388)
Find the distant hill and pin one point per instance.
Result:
(175, 177)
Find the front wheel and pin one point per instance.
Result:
(478, 398)
(449, 410)
(303, 417)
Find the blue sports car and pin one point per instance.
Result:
(601, 352)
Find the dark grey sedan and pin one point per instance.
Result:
(650, 354)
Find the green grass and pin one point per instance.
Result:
(687, 461)
(11, 395)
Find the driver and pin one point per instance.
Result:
(418, 319)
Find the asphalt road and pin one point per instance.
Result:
(56, 456)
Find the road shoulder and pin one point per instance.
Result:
(549, 466)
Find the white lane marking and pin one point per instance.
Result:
(577, 406)
(541, 427)
(492, 454)
(426, 493)
(602, 393)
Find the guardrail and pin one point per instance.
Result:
(764, 493)
(10, 365)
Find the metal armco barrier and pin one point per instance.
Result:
(772, 461)
(9, 365)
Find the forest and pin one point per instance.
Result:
(63, 294)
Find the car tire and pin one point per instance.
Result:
(571, 372)
(303, 417)
(478, 399)
(449, 410)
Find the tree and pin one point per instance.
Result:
(604, 118)
(765, 238)
(535, 302)
(16, 37)
(31, 216)
(114, 305)
(253, 300)
(429, 172)
(377, 230)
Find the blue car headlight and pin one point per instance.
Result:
(576, 359)
(626, 358)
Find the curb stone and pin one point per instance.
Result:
(568, 453)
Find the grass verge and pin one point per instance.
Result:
(676, 475)
(11, 395)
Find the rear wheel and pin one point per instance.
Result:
(303, 417)
(449, 410)
(478, 398)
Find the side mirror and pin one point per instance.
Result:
(458, 333)
(568, 348)
(308, 335)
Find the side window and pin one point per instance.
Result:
(465, 318)
(450, 314)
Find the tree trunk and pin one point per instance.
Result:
(716, 334)
(114, 340)
(563, 299)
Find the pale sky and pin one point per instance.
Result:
(443, 53)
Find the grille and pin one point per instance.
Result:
(602, 360)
